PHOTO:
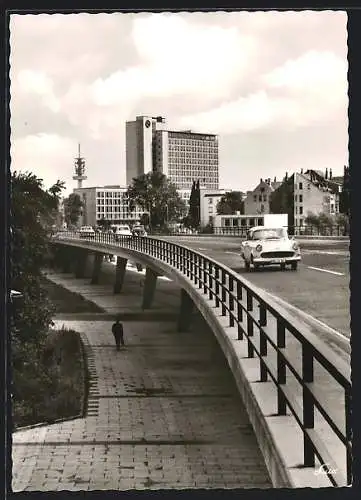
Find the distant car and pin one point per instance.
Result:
(268, 246)
(121, 230)
(86, 232)
(139, 231)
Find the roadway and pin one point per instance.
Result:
(320, 287)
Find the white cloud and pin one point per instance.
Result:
(257, 111)
(316, 72)
(49, 156)
(38, 83)
(177, 58)
(314, 89)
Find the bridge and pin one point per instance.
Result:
(297, 393)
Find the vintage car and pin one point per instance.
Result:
(121, 230)
(269, 246)
(139, 230)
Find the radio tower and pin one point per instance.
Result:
(79, 169)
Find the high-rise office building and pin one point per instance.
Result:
(139, 145)
(183, 156)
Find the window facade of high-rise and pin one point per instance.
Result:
(185, 156)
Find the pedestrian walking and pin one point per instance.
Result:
(118, 333)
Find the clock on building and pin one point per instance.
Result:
(147, 123)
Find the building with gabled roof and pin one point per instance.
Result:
(258, 200)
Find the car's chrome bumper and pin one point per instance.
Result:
(276, 260)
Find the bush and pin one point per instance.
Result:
(50, 383)
(208, 229)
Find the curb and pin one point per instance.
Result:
(45, 424)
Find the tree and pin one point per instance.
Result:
(282, 200)
(312, 220)
(343, 221)
(72, 209)
(321, 221)
(326, 220)
(144, 219)
(104, 223)
(30, 206)
(155, 194)
(193, 218)
(230, 203)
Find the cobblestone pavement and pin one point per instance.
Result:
(162, 413)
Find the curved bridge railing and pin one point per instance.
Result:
(268, 332)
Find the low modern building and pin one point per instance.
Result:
(258, 200)
(108, 203)
(239, 224)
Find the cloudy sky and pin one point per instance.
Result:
(273, 85)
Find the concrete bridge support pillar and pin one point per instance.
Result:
(97, 266)
(119, 274)
(66, 260)
(81, 259)
(185, 313)
(54, 259)
(149, 287)
(58, 257)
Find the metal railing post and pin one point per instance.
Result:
(195, 268)
(201, 265)
(223, 292)
(181, 260)
(262, 341)
(211, 280)
(249, 323)
(281, 368)
(239, 310)
(216, 278)
(171, 254)
(348, 433)
(307, 404)
(205, 267)
(178, 258)
(231, 300)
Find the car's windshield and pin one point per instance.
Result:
(269, 234)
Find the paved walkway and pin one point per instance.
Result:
(162, 413)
